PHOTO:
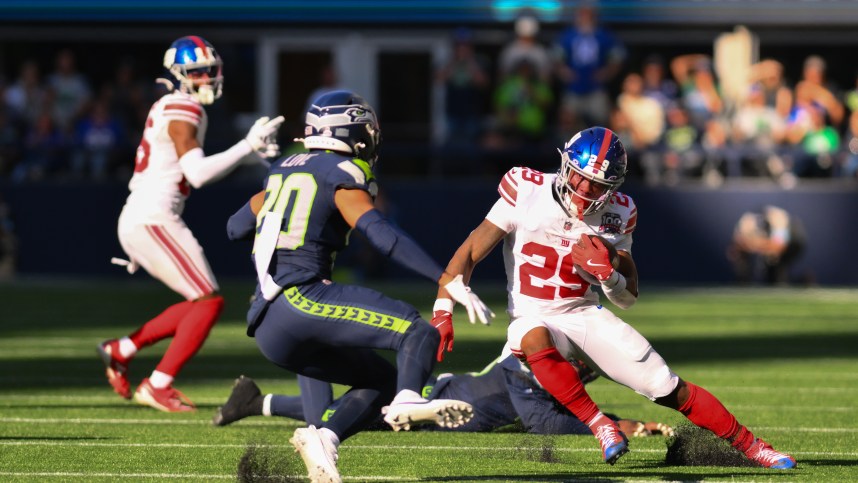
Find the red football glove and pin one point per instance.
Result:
(591, 254)
(443, 321)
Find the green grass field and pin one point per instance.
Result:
(784, 361)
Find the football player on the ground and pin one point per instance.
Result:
(170, 160)
(306, 323)
(503, 393)
(564, 235)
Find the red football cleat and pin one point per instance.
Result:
(116, 367)
(763, 454)
(168, 399)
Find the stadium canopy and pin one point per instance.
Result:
(757, 12)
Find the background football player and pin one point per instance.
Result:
(170, 161)
(564, 235)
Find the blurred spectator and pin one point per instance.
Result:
(129, 98)
(656, 84)
(679, 155)
(645, 115)
(99, 140)
(522, 102)
(26, 98)
(813, 87)
(10, 144)
(758, 132)
(699, 92)
(8, 242)
(45, 148)
(704, 107)
(70, 88)
(765, 245)
(815, 143)
(525, 47)
(768, 76)
(465, 79)
(591, 57)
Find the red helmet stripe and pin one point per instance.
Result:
(603, 150)
(201, 44)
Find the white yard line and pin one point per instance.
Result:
(180, 476)
(355, 447)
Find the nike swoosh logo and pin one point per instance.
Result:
(591, 264)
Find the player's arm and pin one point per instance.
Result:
(356, 207)
(200, 169)
(242, 224)
(475, 248)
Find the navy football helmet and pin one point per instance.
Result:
(596, 154)
(196, 68)
(343, 121)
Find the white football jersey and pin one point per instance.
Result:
(541, 278)
(158, 186)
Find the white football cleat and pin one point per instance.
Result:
(447, 413)
(319, 454)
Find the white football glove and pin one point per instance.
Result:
(262, 136)
(475, 307)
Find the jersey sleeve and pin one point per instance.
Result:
(504, 213)
(353, 174)
(183, 109)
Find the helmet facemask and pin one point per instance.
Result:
(203, 82)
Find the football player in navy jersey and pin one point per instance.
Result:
(308, 324)
(503, 393)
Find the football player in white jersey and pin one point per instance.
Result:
(565, 234)
(170, 161)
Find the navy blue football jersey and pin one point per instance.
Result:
(301, 188)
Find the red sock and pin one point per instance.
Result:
(190, 334)
(706, 411)
(162, 326)
(560, 379)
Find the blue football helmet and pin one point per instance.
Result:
(196, 68)
(596, 154)
(343, 121)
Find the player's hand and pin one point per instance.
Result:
(262, 136)
(443, 321)
(593, 257)
(475, 307)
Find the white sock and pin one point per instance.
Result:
(127, 348)
(407, 396)
(160, 380)
(266, 405)
(331, 435)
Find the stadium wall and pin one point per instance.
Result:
(70, 228)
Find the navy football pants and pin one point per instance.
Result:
(329, 332)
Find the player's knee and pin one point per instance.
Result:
(536, 340)
(677, 397)
(422, 330)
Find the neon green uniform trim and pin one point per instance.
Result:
(344, 312)
(364, 166)
(327, 414)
